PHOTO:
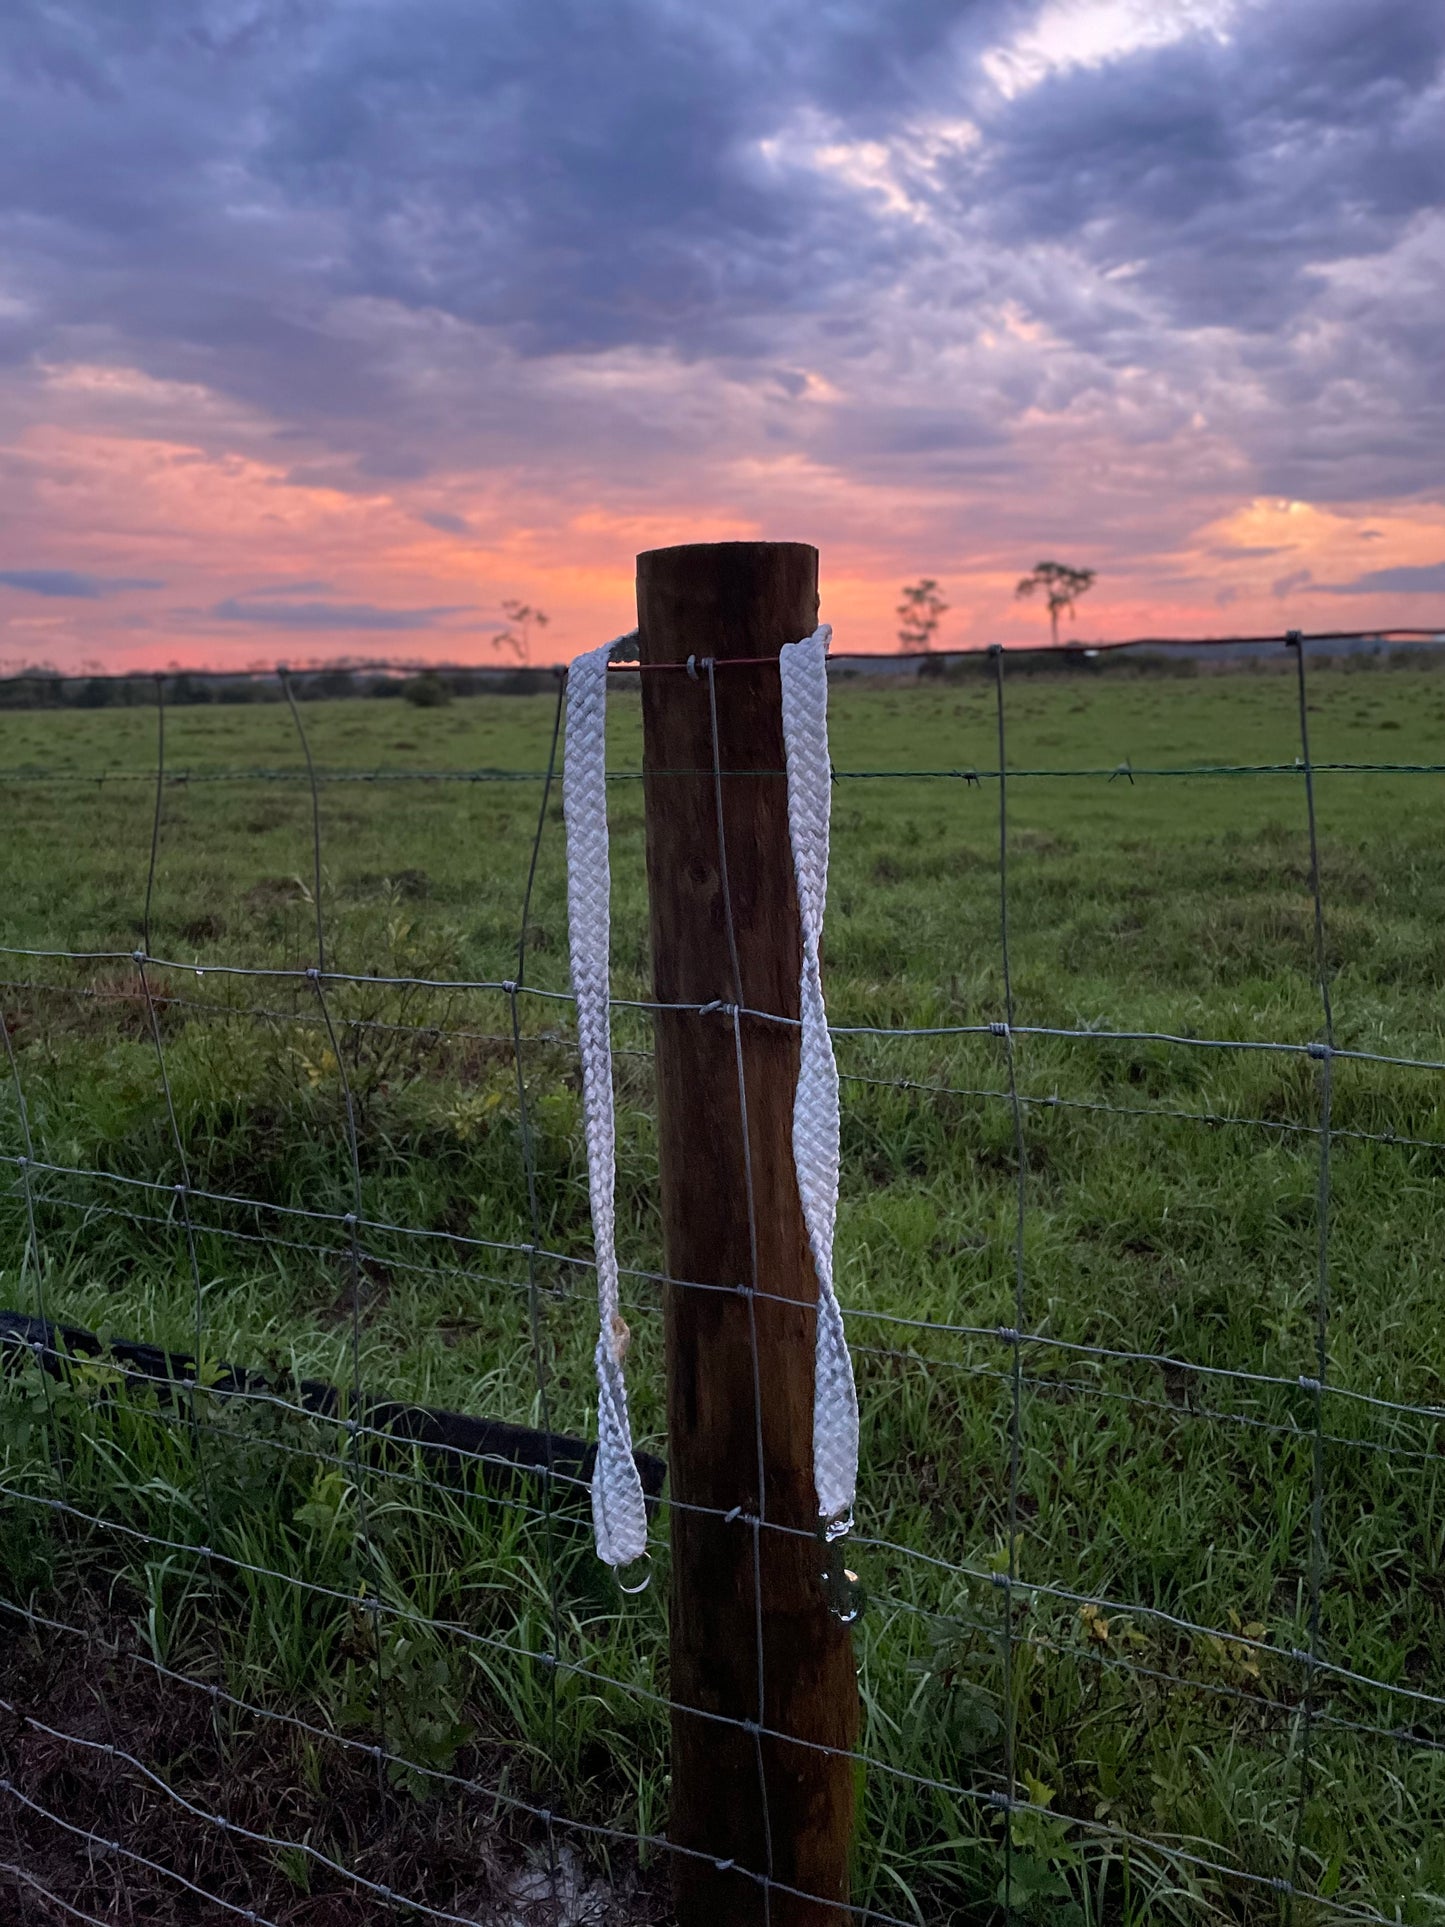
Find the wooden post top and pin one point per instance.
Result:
(725, 599)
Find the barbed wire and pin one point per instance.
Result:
(998, 1801)
(1007, 1336)
(1096, 1033)
(971, 777)
(440, 1032)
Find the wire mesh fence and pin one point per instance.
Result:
(1139, 1251)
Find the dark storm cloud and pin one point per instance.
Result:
(331, 615)
(587, 176)
(576, 178)
(1279, 186)
(1225, 173)
(361, 222)
(73, 583)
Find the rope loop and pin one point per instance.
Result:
(803, 668)
(619, 1512)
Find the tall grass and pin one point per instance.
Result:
(1162, 1580)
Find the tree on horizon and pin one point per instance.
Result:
(919, 614)
(522, 618)
(1061, 587)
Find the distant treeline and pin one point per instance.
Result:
(1168, 659)
(427, 688)
(432, 687)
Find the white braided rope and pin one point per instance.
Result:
(803, 666)
(619, 1514)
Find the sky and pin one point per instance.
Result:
(328, 326)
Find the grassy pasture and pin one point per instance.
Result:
(1171, 1213)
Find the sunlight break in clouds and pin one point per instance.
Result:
(1090, 33)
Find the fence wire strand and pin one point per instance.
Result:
(135, 1555)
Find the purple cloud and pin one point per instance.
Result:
(73, 583)
(331, 615)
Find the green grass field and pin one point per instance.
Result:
(1171, 1210)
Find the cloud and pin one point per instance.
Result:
(949, 283)
(1426, 578)
(331, 615)
(301, 587)
(1304, 136)
(73, 582)
(1287, 584)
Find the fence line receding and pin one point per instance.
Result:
(1134, 987)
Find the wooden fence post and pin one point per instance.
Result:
(739, 1367)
